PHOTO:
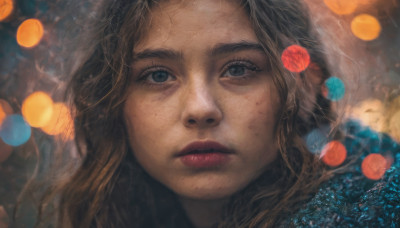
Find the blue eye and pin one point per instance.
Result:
(159, 76)
(240, 69)
(237, 70)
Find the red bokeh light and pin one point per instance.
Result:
(374, 166)
(334, 153)
(295, 58)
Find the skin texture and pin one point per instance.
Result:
(225, 96)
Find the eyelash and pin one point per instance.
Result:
(242, 63)
(148, 71)
(234, 62)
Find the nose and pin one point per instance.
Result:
(200, 109)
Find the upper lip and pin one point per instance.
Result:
(204, 146)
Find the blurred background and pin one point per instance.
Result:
(38, 43)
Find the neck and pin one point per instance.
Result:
(203, 213)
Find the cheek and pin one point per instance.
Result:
(140, 122)
(149, 124)
(143, 117)
(261, 119)
(262, 114)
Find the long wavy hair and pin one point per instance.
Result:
(109, 188)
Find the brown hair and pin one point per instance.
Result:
(110, 189)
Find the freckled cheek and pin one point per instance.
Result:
(148, 120)
(143, 132)
(261, 117)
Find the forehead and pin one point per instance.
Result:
(196, 22)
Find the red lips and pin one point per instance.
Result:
(204, 154)
(201, 147)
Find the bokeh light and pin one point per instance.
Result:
(335, 88)
(374, 166)
(6, 8)
(60, 122)
(367, 2)
(5, 109)
(334, 153)
(366, 27)
(295, 58)
(37, 109)
(316, 139)
(394, 126)
(342, 7)
(2, 115)
(29, 33)
(371, 112)
(14, 130)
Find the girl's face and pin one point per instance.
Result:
(202, 107)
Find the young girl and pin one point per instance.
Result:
(186, 117)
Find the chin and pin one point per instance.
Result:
(209, 192)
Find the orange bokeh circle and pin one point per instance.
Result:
(374, 166)
(60, 122)
(334, 153)
(29, 33)
(6, 8)
(342, 7)
(366, 27)
(37, 109)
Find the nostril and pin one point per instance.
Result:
(191, 121)
(210, 121)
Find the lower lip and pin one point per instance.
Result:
(206, 160)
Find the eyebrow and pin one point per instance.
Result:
(160, 53)
(227, 48)
(219, 49)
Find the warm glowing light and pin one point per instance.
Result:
(14, 130)
(366, 27)
(367, 2)
(295, 58)
(61, 122)
(342, 7)
(6, 8)
(394, 126)
(29, 33)
(2, 115)
(335, 87)
(370, 112)
(5, 109)
(37, 109)
(334, 153)
(374, 166)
